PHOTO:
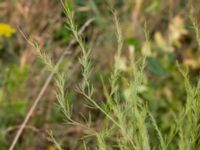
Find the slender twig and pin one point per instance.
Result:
(10, 129)
(47, 82)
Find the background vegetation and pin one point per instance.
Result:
(125, 80)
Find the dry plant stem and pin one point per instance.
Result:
(136, 13)
(73, 42)
(10, 129)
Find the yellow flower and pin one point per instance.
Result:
(6, 30)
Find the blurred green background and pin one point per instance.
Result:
(171, 39)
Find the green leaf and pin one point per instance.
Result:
(17, 107)
(133, 42)
(154, 66)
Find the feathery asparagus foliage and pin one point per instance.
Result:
(126, 113)
(190, 117)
